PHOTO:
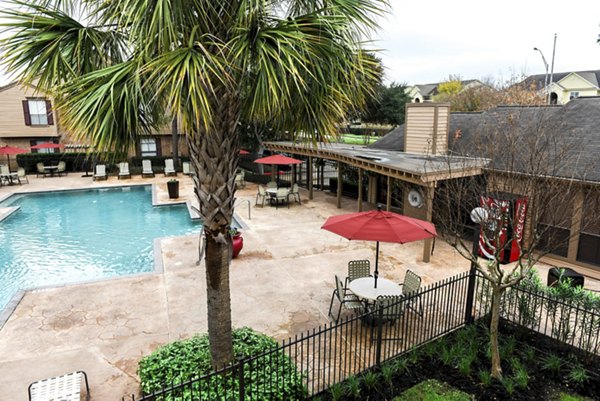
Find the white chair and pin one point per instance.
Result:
(186, 168)
(169, 167)
(295, 193)
(262, 194)
(100, 173)
(239, 179)
(147, 168)
(283, 196)
(60, 388)
(61, 168)
(345, 298)
(271, 184)
(22, 175)
(124, 170)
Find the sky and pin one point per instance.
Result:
(427, 41)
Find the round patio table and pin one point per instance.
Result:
(364, 288)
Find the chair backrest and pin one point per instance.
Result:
(4, 169)
(392, 305)
(21, 172)
(262, 191)
(146, 165)
(295, 189)
(185, 166)
(271, 184)
(169, 165)
(62, 166)
(40, 167)
(124, 167)
(412, 283)
(358, 269)
(339, 286)
(100, 169)
(282, 192)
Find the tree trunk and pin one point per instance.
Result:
(175, 142)
(214, 156)
(496, 367)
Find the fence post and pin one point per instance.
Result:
(242, 385)
(472, 276)
(379, 334)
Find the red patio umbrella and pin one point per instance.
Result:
(48, 145)
(378, 225)
(278, 159)
(11, 150)
(244, 152)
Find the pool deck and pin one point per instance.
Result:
(281, 285)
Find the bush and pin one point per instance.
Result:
(185, 360)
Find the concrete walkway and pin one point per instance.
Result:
(281, 285)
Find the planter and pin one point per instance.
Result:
(173, 188)
(238, 244)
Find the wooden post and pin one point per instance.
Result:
(340, 186)
(388, 200)
(310, 177)
(429, 193)
(577, 215)
(360, 192)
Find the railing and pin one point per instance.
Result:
(333, 352)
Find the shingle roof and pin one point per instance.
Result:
(574, 128)
(538, 80)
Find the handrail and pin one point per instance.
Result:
(249, 207)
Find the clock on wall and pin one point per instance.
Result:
(415, 198)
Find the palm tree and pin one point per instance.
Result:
(133, 63)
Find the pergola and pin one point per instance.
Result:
(421, 170)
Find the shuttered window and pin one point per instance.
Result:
(37, 112)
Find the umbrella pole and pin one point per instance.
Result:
(376, 274)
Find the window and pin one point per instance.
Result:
(148, 147)
(37, 112)
(573, 95)
(43, 150)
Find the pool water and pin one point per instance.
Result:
(70, 236)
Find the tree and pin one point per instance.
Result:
(211, 63)
(387, 106)
(532, 152)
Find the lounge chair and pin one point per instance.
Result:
(5, 174)
(147, 168)
(262, 194)
(239, 179)
(345, 297)
(22, 175)
(186, 168)
(124, 170)
(61, 168)
(169, 168)
(358, 269)
(63, 388)
(41, 170)
(410, 287)
(100, 173)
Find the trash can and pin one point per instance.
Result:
(557, 273)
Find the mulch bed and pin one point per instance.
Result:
(541, 385)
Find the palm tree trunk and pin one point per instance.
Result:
(214, 158)
(175, 142)
(496, 366)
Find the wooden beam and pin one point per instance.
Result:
(428, 243)
(360, 195)
(388, 200)
(310, 177)
(576, 217)
(339, 186)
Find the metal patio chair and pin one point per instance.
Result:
(295, 193)
(261, 194)
(358, 269)
(60, 388)
(22, 174)
(345, 297)
(61, 168)
(410, 287)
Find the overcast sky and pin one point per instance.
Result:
(426, 41)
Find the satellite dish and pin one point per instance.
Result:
(415, 198)
(479, 215)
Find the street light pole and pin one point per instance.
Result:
(546, 77)
(552, 68)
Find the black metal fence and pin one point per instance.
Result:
(329, 354)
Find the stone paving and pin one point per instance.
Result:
(281, 285)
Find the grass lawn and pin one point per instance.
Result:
(352, 139)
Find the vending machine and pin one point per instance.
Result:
(506, 213)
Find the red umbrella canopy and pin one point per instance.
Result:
(378, 225)
(48, 145)
(11, 150)
(278, 159)
(244, 152)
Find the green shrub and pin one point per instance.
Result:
(433, 390)
(370, 379)
(337, 392)
(578, 375)
(184, 360)
(553, 364)
(352, 385)
(485, 377)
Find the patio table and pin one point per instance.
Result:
(51, 169)
(364, 287)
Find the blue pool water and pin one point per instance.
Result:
(70, 236)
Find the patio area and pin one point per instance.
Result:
(281, 284)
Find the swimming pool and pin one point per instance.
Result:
(71, 236)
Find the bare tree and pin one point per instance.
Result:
(533, 190)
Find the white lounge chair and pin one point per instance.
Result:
(100, 173)
(169, 167)
(186, 168)
(124, 170)
(63, 388)
(147, 168)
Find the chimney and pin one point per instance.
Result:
(426, 128)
